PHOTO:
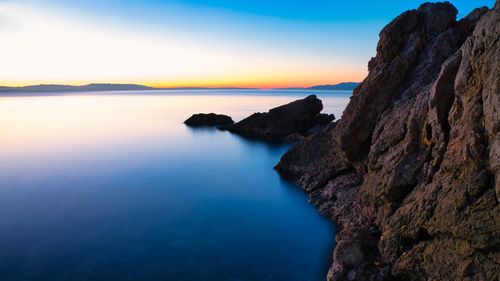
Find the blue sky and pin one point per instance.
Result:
(318, 10)
(210, 42)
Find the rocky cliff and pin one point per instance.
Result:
(411, 172)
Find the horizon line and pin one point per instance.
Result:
(151, 87)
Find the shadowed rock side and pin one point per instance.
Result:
(208, 119)
(290, 121)
(411, 172)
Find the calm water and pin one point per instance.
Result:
(114, 187)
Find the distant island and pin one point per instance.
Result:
(136, 87)
(70, 88)
(340, 86)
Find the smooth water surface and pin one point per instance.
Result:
(112, 186)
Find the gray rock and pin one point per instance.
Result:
(208, 119)
(411, 171)
(292, 119)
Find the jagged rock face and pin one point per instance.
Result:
(420, 136)
(311, 156)
(208, 119)
(291, 120)
(452, 217)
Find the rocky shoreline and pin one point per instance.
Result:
(411, 172)
(289, 122)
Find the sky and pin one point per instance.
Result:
(210, 43)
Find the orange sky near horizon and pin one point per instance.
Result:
(246, 81)
(45, 46)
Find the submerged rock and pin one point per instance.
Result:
(291, 121)
(411, 171)
(208, 119)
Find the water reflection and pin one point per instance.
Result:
(115, 187)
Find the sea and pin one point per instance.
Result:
(113, 186)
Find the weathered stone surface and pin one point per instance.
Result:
(411, 171)
(307, 154)
(208, 119)
(295, 118)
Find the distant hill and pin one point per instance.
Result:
(340, 86)
(135, 87)
(102, 87)
(69, 88)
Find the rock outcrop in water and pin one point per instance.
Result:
(290, 121)
(411, 173)
(208, 119)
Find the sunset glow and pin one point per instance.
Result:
(174, 44)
